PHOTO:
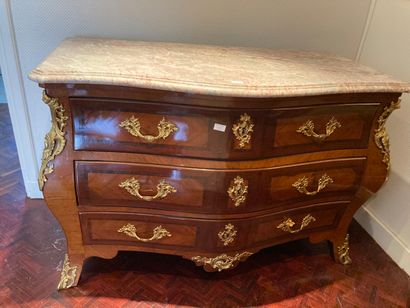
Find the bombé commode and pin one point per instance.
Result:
(208, 152)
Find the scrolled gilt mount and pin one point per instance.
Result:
(343, 252)
(55, 141)
(227, 236)
(68, 275)
(238, 191)
(221, 262)
(243, 129)
(381, 138)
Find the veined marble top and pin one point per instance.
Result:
(210, 70)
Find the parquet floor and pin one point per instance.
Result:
(297, 274)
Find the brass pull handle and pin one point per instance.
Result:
(243, 129)
(302, 183)
(287, 224)
(158, 233)
(238, 191)
(133, 126)
(307, 129)
(132, 185)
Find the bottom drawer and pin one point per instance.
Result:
(136, 229)
(188, 234)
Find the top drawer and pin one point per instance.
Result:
(167, 129)
(216, 133)
(312, 129)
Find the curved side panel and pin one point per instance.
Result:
(375, 175)
(58, 191)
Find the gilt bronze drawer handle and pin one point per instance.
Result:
(132, 185)
(238, 191)
(158, 233)
(287, 224)
(227, 235)
(243, 129)
(308, 128)
(133, 126)
(302, 183)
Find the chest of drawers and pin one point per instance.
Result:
(211, 153)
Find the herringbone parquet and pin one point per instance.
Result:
(297, 274)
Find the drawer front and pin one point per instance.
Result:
(214, 191)
(314, 181)
(301, 130)
(167, 232)
(126, 229)
(163, 187)
(138, 127)
(142, 127)
(294, 223)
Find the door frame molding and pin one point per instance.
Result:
(17, 101)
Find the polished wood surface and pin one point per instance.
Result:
(98, 183)
(282, 128)
(89, 170)
(295, 274)
(207, 132)
(97, 128)
(206, 190)
(200, 235)
(102, 228)
(344, 173)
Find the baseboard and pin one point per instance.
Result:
(385, 237)
(32, 190)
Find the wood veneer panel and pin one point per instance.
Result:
(201, 235)
(282, 137)
(201, 190)
(96, 126)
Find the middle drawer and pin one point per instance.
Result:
(215, 191)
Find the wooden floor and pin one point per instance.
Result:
(298, 274)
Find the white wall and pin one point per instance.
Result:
(387, 48)
(3, 99)
(334, 26)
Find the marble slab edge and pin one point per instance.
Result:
(220, 90)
